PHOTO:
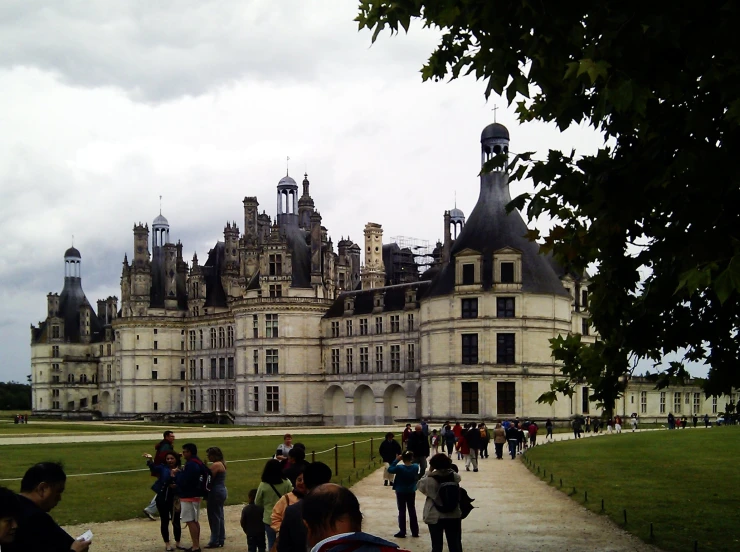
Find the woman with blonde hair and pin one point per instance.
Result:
(216, 497)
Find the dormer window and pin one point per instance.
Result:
(468, 270)
(468, 274)
(507, 273)
(507, 269)
(276, 265)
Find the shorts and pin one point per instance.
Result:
(189, 511)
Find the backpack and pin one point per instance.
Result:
(204, 481)
(482, 432)
(449, 497)
(466, 503)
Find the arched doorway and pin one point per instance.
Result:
(335, 407)
(364, 406)
(395, 404)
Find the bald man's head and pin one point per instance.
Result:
(418, 427)
(330, 510)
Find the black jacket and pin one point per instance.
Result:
(251, 520)
(389, 450)
(418, 444)
(472, 436)
(292, 530)
(37, 531)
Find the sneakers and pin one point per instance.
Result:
(475, 469)
(416, 536)
(150, 516)
(400, 535)
(385, 483)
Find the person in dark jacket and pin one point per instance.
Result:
(419, 445)
(164, 488)
(472, 436)
(512, 437)
(296, 464)
(9, 507)
(41, 490)
(407, 473)
(251, 522)
(292, 529)
(389, 450)
(189, 489)
(450, 439)
(160, 449)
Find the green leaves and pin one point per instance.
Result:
(594, 69)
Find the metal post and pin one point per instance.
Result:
(336, 459)
(313, 456)
(371, 448)
(354, 458)
(625, 517)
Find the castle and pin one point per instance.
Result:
(278, 327)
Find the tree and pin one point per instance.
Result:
(653, 207)
(15, 396)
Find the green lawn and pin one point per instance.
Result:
(123, 496)
(684, 482)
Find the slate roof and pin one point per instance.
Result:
(394, 299)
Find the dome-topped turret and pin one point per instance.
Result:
(287, 181)
(73, 253)
(456, 215)
(494, 140)
(494, 131)
(160, 221)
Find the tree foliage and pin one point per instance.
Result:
(656, 207)
(15, 396)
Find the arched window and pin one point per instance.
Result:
(213, 338)
(71, 378)
(230, 334)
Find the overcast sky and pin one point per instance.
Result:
(108, 105)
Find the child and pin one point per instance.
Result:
(434, 442)
(252, 525)
(405, 487)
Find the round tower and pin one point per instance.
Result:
(493, 140)
(287, 201)
(160, 231)
(72, 263)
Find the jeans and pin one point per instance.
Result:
(167, 513)
(483, 451)
(271, 536)
(215, 510)
(405, 501)
(512, 447)
(450, 447)
(452, 528)
(256, 543)
(499, 449)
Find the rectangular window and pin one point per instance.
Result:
(505, 348)
(585, 391)
(507, 273)
(254, 399)
(677, 403)
(230, 400)
(410, 322)
(192, 369)
(504, 307)
(213, 369)
(200, 339)
(714, 405)
(335, 361)
(156, 406)
(230, 368)
(584, 326)
(364, 361)
(506, 398)
(255, 326)
(276, 290)
(271, 325)
(395, 323)
(201, 369)
(230, 336)
(662, 402)
(221, 368)
(276, 265)
(109, 373)
(108, 348)
(378, 358)
(256, 361)
(697, 402)
(55, 351)
(55, 332)
(643, 402)
(193, 394)
(155, 345)
(182, 374)
(350, 355)
(155, 360)
(470, 308)
(213, 399)
(349, 328)
(378, 325)
(470, 397)
(335, 329)
(395, 358)
(470, 348)
(688, 398)
(411, 357)
(271, 361)
(584, 299)
(363, 326)
(272, 398)
(468, 274)
(191, 336)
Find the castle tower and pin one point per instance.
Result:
(139, 274)
(305, 206)
(373, 273)
(493, 140)
(230, 270)
(287, 202)
(196, 288)
(315, 249)
(250, 220)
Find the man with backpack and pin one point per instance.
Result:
(192, 483)
(442, 512)
(161, 449)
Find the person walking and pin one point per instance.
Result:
(449, 440)
(271, 489)
(472, 437)
(407, 474)
(166, 445)
(485, 438)
(576, 425)
(407, 431)
(216, 498)
(597, 425)
(671, 421)
(533, 428)
(434, 440)
(439, 517)
(168, 505)
(512, 437)
(252, 525)
(389, 449)
(633, 421)
(419, 445)
(190, 490)
(618, 423)
(499, 440)
(548, 428)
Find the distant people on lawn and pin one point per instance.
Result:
(707, 423)
(407, 431)
(407, 474)
(533, 428)
(472, 439)
(576, 425)
(633, 421)
(548, 428)
(597, 425)
(292, 530)
(41, 490)
(216, 497)
(618, 423)
(160, 449)
(168, 504)
(272, 487)
(389, 450)
(512, 437)
(671, 421)
(189, 482)
(441, 520)
(9, 509)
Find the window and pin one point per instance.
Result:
(201, 369)
(378, 325)
(55, 332)
(276, 265)
(363, 326)
(200, 339)
(350, 355)
(349, 328)
(688, 398)
(254, 399)
(335, 329)
(363, 360)
(193, 373)
(677, 403)
(506, 397)
(108, 349)
(662, 402)
(697, 402)
(410, 357)
(395, 358)
(584, 299)
(271, 325)
(504, 307)
(585, 391)
(221, 338)
(155, 345)
(507, 273)
(584, 326)
(643, 402)
(155, 331)
(255, 326)
(714, 405)
(230, 336)
(83, 378)
(276, 290)
(155, 360)
(505, 348)
(378, 358)
(193, 399)
(213, 399)
(213, 368)
(470, 348)
(256, 361)
(182, 374)
(272, 398)
(230, 399)
(230, 367)
(55, 351)
(335, 361)
(191, 336)
(221, 368)
(395, 323)
(271, 361)
(154, 374)
(470, 397)
(470, 308)
(109, 373)
(213, 338)
(55, 393)
(410, 322)
(468, 274)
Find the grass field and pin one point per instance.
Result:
(94, 498)
(684, 482)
